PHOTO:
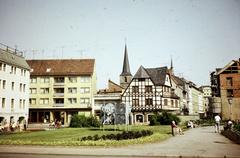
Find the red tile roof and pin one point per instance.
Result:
(62, 67)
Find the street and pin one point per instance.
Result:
(197, 142)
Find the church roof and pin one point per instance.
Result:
(126, 67)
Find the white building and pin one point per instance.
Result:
(14, 86)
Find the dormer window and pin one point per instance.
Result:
(48, 70)
(31, 70)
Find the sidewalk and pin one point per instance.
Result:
(198, 142)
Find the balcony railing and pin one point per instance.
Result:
(58, 95)
(58, 105)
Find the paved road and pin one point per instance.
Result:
(198, 142)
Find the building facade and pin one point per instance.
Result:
(109, 97)
(225, 83)
(60, 89)
(150, 91)
(14, 85)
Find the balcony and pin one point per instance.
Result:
(58, 105)
(58, 95)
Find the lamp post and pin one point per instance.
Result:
(230, 100)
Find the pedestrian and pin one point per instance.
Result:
(217, 119)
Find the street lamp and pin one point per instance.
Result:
(230, 100)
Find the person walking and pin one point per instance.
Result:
(217, 119)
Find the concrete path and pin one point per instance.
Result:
(198, 142)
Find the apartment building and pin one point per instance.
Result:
(14, 85)
(60, 89)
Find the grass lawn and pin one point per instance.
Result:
(70, 136)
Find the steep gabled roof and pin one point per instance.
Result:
(178, 80)
(112, 88)
(157, 75)
(226, 67)
(62, 67)
(141, 73)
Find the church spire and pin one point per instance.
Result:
(126, 67)
(171, 67)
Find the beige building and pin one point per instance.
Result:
(14, 84)
(61, 88)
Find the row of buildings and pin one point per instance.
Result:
(41, 91)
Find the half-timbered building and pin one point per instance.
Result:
(150, 91)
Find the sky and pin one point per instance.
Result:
(199, 36)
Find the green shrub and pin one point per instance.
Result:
(237, 127)
(120, 136)
(164, 118)
(83, 121)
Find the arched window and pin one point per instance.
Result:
(125, 78)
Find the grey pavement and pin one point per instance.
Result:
(197, 142)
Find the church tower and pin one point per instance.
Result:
(125, 76)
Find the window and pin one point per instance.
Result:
(12, 105)
(229, 81)
(1, 66)
(165, 102)
(44, 80)
(4, 67)
(33, 90)
(32, 101)
(20, 87)
(24, 72)
(141, 79)
(4, 84)
(44, 101)
(176, 103)
(84, 90)
(21, 72)
(72, 100)
(59, 79)
(24, 87)
(85, 79)
(135, 102)
(72, 79)
(172, 103)
(229, 92)
(84, 100)
(44, 90)
(148, 101)
(135, 89)
(33, 80)
(15, 70)
(3, 103)
(20, 104)
(24, 102)
(72, 90)
(12, 86)
(125, 79)
(12, 69)
(148, 89)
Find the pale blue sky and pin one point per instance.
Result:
(200, 35)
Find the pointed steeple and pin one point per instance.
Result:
(126, 67)
(171, 67)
